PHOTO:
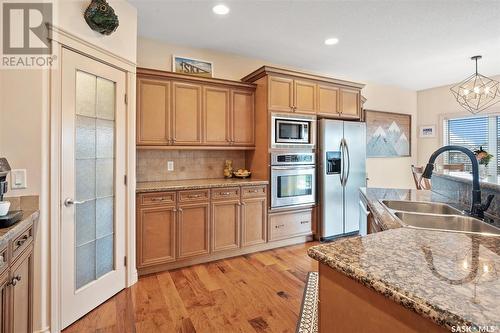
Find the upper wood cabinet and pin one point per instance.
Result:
(186, 113)
(242, 117)
(153, 123)
(328, 100)
(292, 91)
(350, 103)
(304, 96)
(175, 110)
(216, 103)
(280, 94)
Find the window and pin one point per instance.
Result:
(473, 133)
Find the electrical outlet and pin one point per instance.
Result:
(170, 166)
(18, 179)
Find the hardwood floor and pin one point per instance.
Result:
(259, 292)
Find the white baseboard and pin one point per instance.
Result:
(43, 330)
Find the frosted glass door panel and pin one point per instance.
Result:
(94, 177)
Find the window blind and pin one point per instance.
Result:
(469, 132)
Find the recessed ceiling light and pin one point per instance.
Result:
(220, 9)
(331, 41)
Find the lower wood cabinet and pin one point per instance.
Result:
(156, 235)
(21, 293)
(254, 221)
(4, 280)
(16, 284)
(226, 223)
(193, 230)
(185, 227)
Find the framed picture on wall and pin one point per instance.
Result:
(427, 131)
(387, 134)
(192, 66)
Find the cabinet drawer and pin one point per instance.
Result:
(226, 193)
(21, 242)
(194, 195)
(149, 199)
(253, 191)
(290, 224)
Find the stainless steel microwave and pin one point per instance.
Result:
(293, 131)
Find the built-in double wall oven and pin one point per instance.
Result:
(293, 179)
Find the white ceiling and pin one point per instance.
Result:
(413, 44)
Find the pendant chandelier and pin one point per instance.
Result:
(477, 92)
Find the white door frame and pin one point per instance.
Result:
(62, 39)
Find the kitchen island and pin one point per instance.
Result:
(408, 280)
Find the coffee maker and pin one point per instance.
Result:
(12, 216)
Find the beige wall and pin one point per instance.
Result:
(433, 105)
(383, 172)
(392, 172)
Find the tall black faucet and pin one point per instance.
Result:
(477, 208)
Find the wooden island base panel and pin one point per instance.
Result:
(353, 307)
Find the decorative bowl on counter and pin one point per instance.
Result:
(242, 174)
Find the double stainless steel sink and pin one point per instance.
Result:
(437, 216)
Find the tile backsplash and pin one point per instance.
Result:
(188, 164)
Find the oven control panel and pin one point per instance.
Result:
(292, 158)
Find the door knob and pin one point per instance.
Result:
(68, 202)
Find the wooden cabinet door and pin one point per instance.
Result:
(155, 235)
(4, 313)
(216, 115)
(349, 103)
(328, 101)
(243, 117)
(304, 96)
(254, 221)
(225, 225)
(21, 293)
(186, 113)
(280, 94)
(153, 112)
(193, 230)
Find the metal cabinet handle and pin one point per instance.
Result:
(22, 240)
(225, 193)
(194, 196)
(304, 222)
(158, 199)
(180, 210)
(69, 201)
(279, 226)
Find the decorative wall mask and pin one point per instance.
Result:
(101, 17)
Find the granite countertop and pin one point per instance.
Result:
(193, 184)
(490, 182)
(450, 278)
(6, 234)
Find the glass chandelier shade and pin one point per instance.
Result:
(477, 92)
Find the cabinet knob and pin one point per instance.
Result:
(15, 280)
(180, 210)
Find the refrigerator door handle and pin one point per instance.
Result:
(341, 149)
(348, 161)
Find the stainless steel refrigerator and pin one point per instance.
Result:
(342, 170)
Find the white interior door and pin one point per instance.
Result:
(93, 189)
